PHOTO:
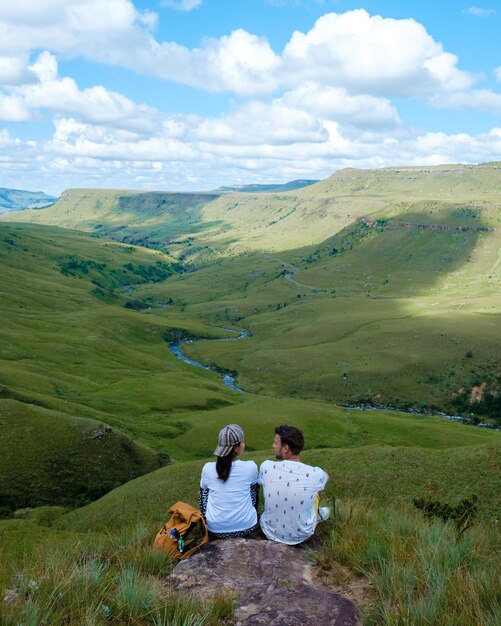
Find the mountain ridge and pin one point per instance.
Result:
(20, 199)
(205, 225)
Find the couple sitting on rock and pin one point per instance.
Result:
(229, 489)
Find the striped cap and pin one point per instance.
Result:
(229, 436)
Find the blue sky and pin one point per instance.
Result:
(194, 94)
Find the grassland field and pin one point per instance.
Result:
(382, 307)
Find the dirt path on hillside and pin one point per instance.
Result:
(295, 270)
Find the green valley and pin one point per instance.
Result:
(372, 288)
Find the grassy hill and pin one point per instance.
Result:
(204, 225)
(85, 333)
(401, 310)
(52, 458)
(388, 475)
(401, 283)
(372, 286)
(74, 356)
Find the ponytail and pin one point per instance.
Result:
(223, 465)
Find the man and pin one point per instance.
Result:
(291, 490)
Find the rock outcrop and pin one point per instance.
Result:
(272, 584)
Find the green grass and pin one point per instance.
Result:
(52, 458)
(375, 473)
(70, 361)
(96, 581)
(421, 572)
(405, 317)
(67, 355)
(381, 312)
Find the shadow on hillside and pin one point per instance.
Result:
(402, 256)
(161, 218)
(364, 333)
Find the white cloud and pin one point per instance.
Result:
(239, 62)
(374, 55)
(478, 12)
(88, 28)
(14, 70)
(13, 109)
(480, 100)
(104, 158)
(335, 103)
(182, 5)
(353, 50)
(95, 105)
(322, 103)
(497, 73)
(73, 138)
(259, 122)
(149, 19)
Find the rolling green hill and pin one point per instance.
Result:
(201, 226)
(388, 475)
(52, 458)
(400, 278)
(371, 287)
(74, 356)
(86, 326)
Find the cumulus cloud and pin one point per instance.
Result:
(497, 73)
(63, 96)
(14, 70)
(480, 100)
(335, 103)
(478, 12)
(182, 5)
(321, 103)
(258, 122)
(13, 109)
(354, 50)
(371, 54)
(194, 160)
(72, 26)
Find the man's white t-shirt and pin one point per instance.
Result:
(290, 489)
(229, 506)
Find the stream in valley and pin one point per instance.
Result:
(175, 348)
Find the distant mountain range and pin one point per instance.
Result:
(19, 199)
(290, 186)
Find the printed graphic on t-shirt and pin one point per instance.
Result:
(290, 489)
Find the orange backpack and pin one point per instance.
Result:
(184, 533)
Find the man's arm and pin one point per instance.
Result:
(203, 496)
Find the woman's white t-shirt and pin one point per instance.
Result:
(229, 506)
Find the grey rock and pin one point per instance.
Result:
(272, 584)
(99, 432)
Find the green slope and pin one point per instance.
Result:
(52, 458)
(70, 354)
(201, 226)
(387, 475)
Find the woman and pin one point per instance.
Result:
(228, 488)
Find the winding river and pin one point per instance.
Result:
(229, 380)
(175, 348)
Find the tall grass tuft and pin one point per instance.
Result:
(421, 571)
(101, 580)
